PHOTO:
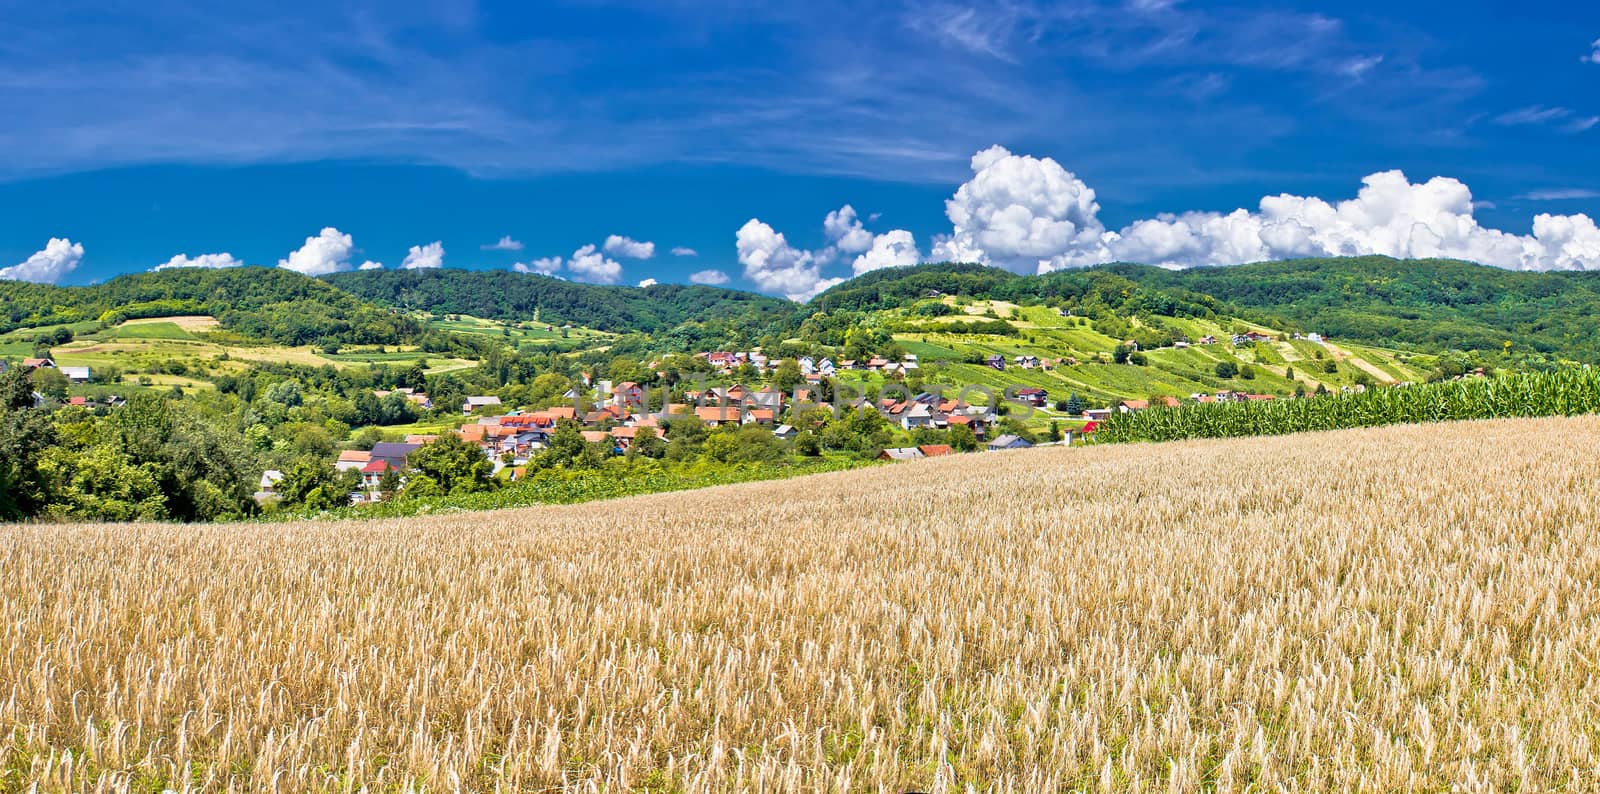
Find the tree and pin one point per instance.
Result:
(806, 444)
(285, 393)
(51, 383)
(1247, 372)
(312, 482)
(366, 438)
(787, 376)
(565, 446)
(647, 445)
(456, 465)
(1074, 405)
(25, 433)
(389, 483)
(962, 439)
(1288, 372)
(1227, 369)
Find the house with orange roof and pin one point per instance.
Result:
(715, 415)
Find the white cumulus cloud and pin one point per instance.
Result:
(328, 252)
(424, 257)
(544, 266)
(896, 248)
(617, 245)
(684, 251)
(370, 265)
(504, 244)
(1032, 215)
(649, 282)
(1593, 57)
(210, 261)
(59, 257)
(712, 277)
(1018, 211)
(588, 264)
(776, 266)
(845, 231)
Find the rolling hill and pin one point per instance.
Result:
(504, 295)
(262, 303)
(1431, 305)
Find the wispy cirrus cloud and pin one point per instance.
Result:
(1560, 194)
(226, 84)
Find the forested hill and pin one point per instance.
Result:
(259, 302)
(504, 295)
(1430, 304)
(1427, 303)
(1092, 289)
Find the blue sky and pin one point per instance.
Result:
(140, 132)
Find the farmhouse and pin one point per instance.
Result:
(900, 453)
(476, 403)
(1033, 396)
(76, 374)
(353, 460)
(1008, 441)
(37, 363)
(628, 393)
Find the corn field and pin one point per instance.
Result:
(1405, 608)
(1566, 392)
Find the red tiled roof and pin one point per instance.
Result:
(935, 450)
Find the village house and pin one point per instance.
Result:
(353, 460)
(1133, 406)
(916, 415)
(1097, 414)
(758, 416)
(1033, 396)
(1008, 441)
(395, 454)
(628, 394)
(267, 489)
(935, 450)
(996, 361)
(785, 432)
(900, 453)
(76, 374)
(37, 363)
(372, 476)
(478, 403)
(718, 415)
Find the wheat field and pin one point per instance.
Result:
(1409, 608)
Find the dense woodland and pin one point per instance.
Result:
(504, 295)
(257, 302)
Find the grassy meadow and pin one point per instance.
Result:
(1404, 608)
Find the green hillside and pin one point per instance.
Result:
(261, 303)
(504, 295)
(1428, 303)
